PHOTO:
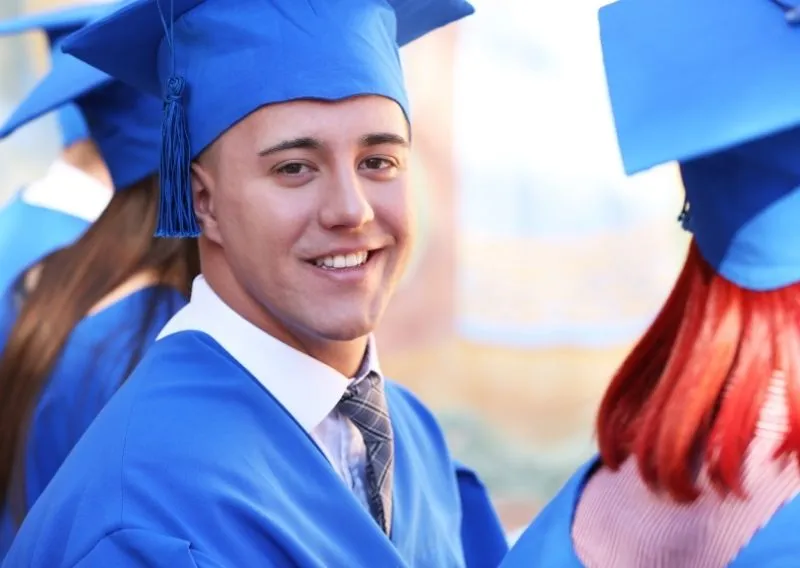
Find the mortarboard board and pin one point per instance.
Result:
(692, 77)
(216, 61)
(123, 122)
(57, 26)
(715, 85)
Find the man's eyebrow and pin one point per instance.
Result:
(304, 142)
(378, 138)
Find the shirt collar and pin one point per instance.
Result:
(69, 190)
(307, 388)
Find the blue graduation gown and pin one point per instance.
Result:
(30, 232)
(194, 464)
(484, 540)
(93, 363)
(547, 542)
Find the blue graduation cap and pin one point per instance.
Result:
(216, 61)
(715, 85)
(123, 122)
(743, 210)
(71, 122)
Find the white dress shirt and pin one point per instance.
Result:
(308, 389)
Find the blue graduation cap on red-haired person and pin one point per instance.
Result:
(715, 85)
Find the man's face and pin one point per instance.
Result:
(310, 202)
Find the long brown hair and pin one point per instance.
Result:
(691, 390)
(71, 281)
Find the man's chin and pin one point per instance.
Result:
(347, 332)
(346, 329)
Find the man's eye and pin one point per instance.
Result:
(293, 169)
(378, 163)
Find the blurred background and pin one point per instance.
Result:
(538, 262)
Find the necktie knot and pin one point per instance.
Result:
(365, 404)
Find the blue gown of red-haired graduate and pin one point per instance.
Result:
(547, 542)
(194, 463)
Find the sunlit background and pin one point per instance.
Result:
(538, 262)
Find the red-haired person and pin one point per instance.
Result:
(699, 430)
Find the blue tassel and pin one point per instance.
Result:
(176, 216)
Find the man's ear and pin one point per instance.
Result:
(204, 196)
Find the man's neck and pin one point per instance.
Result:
(343, 356)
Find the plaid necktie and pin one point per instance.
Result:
(365, 404)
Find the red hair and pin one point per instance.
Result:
(691, 391)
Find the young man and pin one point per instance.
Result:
(259, 430)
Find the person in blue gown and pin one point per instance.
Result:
(73, 325)
(698, 431)
(73, 192)
(259, 429)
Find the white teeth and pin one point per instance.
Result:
(342, 261)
